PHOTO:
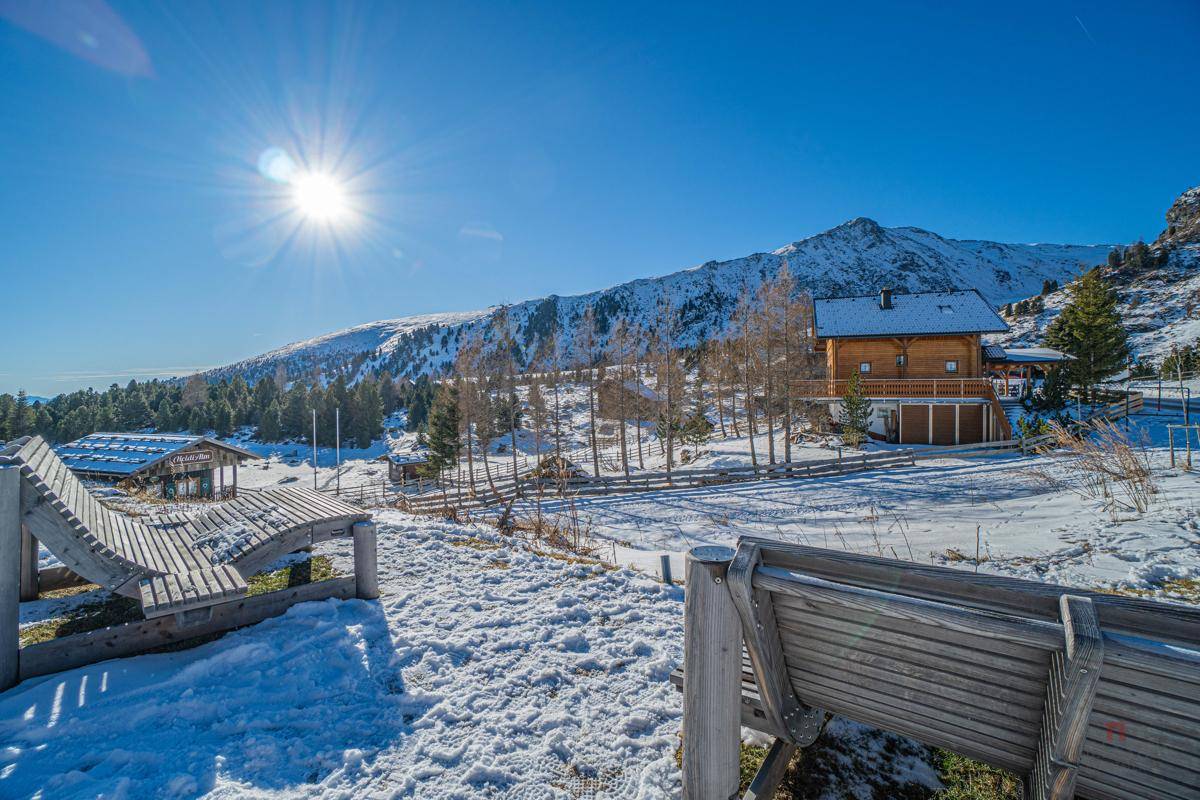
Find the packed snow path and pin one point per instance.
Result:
(484, 671)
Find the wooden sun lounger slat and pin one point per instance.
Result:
(172, 594)
(295, 507)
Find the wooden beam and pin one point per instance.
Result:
(770, 774)
(1071, 691)
(29, 566)
(712, 680)
(132, 638)
(366, 571)
(10, 577)
(784, 709)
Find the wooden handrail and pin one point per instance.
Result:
(899, 387)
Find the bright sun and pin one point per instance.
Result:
(319, 197)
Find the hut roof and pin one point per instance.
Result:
(126, 454)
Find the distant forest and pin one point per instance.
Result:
(279, 412)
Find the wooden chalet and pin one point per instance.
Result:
(920, 358)
(169, 465)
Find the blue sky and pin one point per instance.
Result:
(493, 152)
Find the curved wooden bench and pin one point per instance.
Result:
(1082, 693)
(126, 555)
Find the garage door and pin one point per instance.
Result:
(943, 424)
(970, 424)
(914, 424)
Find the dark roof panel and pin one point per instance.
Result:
(125, 454)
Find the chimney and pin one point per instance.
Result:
(885, 299)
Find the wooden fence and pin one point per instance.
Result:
(459, 499)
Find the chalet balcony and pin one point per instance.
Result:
(903, 388)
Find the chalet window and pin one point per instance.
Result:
(951, 366)
(865, 367)
(901, 360)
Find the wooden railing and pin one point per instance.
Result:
(899, 387)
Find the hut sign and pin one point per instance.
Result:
(194, 457)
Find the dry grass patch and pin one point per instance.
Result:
(113, 609)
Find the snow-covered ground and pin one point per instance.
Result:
(484, 671)
(488, 670)
(1031, 523)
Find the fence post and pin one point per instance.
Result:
(10, 576)
(1171, 443)
(665, 563)
(712, 678)
(366, 561)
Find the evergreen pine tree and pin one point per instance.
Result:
(135, 411)
(197, 420)
(1089, 328)
(269, 429)
(24, 418)
(443, 437)
(1114, 258)
(855, 418)
(164, 418)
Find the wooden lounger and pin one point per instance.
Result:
(171, 564)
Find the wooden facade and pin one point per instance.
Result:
(927, 357)
(920, 359)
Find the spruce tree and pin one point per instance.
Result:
(24, 418)
(443, 434)
(269, 429)
(1089, 328)
(855, 418)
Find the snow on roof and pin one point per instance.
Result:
(1025, 355)
(928, 313)
(408, 458)
(639, 388)
(130, 453)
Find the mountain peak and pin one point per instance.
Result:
(1183, 220)
(861, 225)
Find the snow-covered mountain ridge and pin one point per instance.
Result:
(1160, 306)
(857, 257)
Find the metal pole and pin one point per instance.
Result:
(337, 445)
(665, 561)
(314, 442)
(1183, 396)
(1128, 385)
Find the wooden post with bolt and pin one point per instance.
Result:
(366, 569)
(712, 657)
(10, 576)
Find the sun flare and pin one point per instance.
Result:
(319, 197)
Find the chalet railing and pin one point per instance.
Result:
(900, 387)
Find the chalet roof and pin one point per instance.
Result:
(920, 313)
(125, 454)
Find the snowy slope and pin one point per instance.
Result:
(857, 257)
(1161, 306)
